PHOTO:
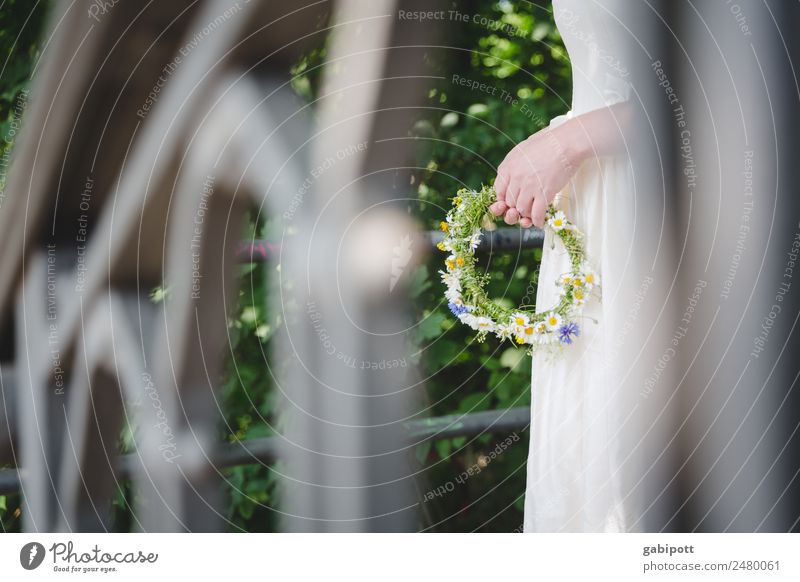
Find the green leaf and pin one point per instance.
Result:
(236, 478)
(474, 403)
(246, 507)
(440, 355)
(419, 282)
(490, 362)
(431, 326)
(422, 452)
(249, 315)
(449, 119)
(259, 430)
(443, 448)
(478, 109)
(256, 485)
(502, 387)
(499, 379)
(513, 358)
(263, 332)
(246, 268)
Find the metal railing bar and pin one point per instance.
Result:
(502, 239)
(266, 450)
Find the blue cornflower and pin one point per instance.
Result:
(567, 331)
(458, 308)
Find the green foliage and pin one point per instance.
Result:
(248, 391)
(20, 30)
(464, 135)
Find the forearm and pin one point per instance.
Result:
(598, 133)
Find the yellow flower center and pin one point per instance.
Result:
(460, 261)
(528, 330)
(519, 321)
(578, 294)
(590, 278)
(552, 321)
(440, 246)
(557, 222)
(443, 225)
(520, 339)
(450, 265)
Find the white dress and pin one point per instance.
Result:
(574, 481)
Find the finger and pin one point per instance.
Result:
(538, 211)
(498, 208)
(500, 186)
(512, 216)
(511, 194)
(525, 201)
(525, 222)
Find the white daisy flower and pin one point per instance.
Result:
(579, 295)
(552, 321)
(519, 321)
(452, 279)
(475, 239)
(591, 278)
(453, 295)
(539, 330)
(558, 221)
(484, 324)
(503, 332)
(529, 334)
(468, 319)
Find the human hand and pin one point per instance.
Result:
(535, 171)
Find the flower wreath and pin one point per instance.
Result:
(468, 300)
